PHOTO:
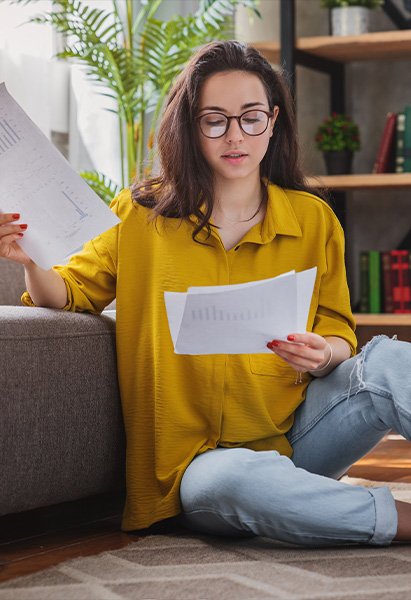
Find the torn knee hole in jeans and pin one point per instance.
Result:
(358, 368)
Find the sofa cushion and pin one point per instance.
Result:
(61, 431)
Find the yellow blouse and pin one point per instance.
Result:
(177, 406)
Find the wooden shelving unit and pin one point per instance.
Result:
(329, 54)
(384, 319)
(369, 325)
(385, 45)
(367, 181)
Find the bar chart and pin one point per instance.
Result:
(61, 210)
(8, 136)
(79, 211)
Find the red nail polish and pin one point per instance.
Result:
(23, 226)
(269, 345)
(291, 338)
(275, 343)
(16, 216)
(20, 234)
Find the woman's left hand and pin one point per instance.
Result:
(303, 352)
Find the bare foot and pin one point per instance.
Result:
(404, 522)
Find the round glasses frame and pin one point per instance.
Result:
(238, 119)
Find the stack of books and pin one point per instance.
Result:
(394, 154)
(385, 281)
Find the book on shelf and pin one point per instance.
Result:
(401, 286)
(394, 152)
(385, 162)
(374, 281)
(385, 281)
(399, 152)
(407, 139)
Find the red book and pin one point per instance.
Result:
(387, 281)
(401, 291)
(385, 162)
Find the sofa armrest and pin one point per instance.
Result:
(61, 428)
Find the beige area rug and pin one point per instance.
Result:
(185, 566)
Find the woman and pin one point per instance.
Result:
(236, 444)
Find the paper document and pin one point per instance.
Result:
(61, 210)
(241, 318)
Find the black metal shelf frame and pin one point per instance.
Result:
(290, 56)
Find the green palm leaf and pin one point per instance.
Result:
(162, 53)
(88, 22)
(102, 185)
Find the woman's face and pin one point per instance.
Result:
(235, 155)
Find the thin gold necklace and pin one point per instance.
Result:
(252, 216)
(256, 212)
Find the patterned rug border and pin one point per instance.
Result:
(185, 566)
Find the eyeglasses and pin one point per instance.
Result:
(252, 122)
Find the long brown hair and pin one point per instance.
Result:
(185, 185)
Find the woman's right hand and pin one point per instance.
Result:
(46, 288)
(10, 233)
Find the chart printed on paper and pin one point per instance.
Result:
(61, 210)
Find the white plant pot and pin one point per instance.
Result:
(350, 20)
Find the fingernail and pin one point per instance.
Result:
(23, 226)
(16, 216)
(20, 234)
(275, 343)
(291, 338)
(269, 345)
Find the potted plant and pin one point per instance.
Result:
(338, 137)
(350, 17)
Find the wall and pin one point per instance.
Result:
(375, 220)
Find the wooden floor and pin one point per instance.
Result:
(36, 540)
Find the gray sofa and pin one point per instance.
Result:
(61, 429)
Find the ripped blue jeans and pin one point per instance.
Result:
(236, 491)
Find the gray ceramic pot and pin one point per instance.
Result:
(350, 20)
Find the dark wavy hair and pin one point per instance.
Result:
(186, 182)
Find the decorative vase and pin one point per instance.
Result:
(338, 162)
(350, 20)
